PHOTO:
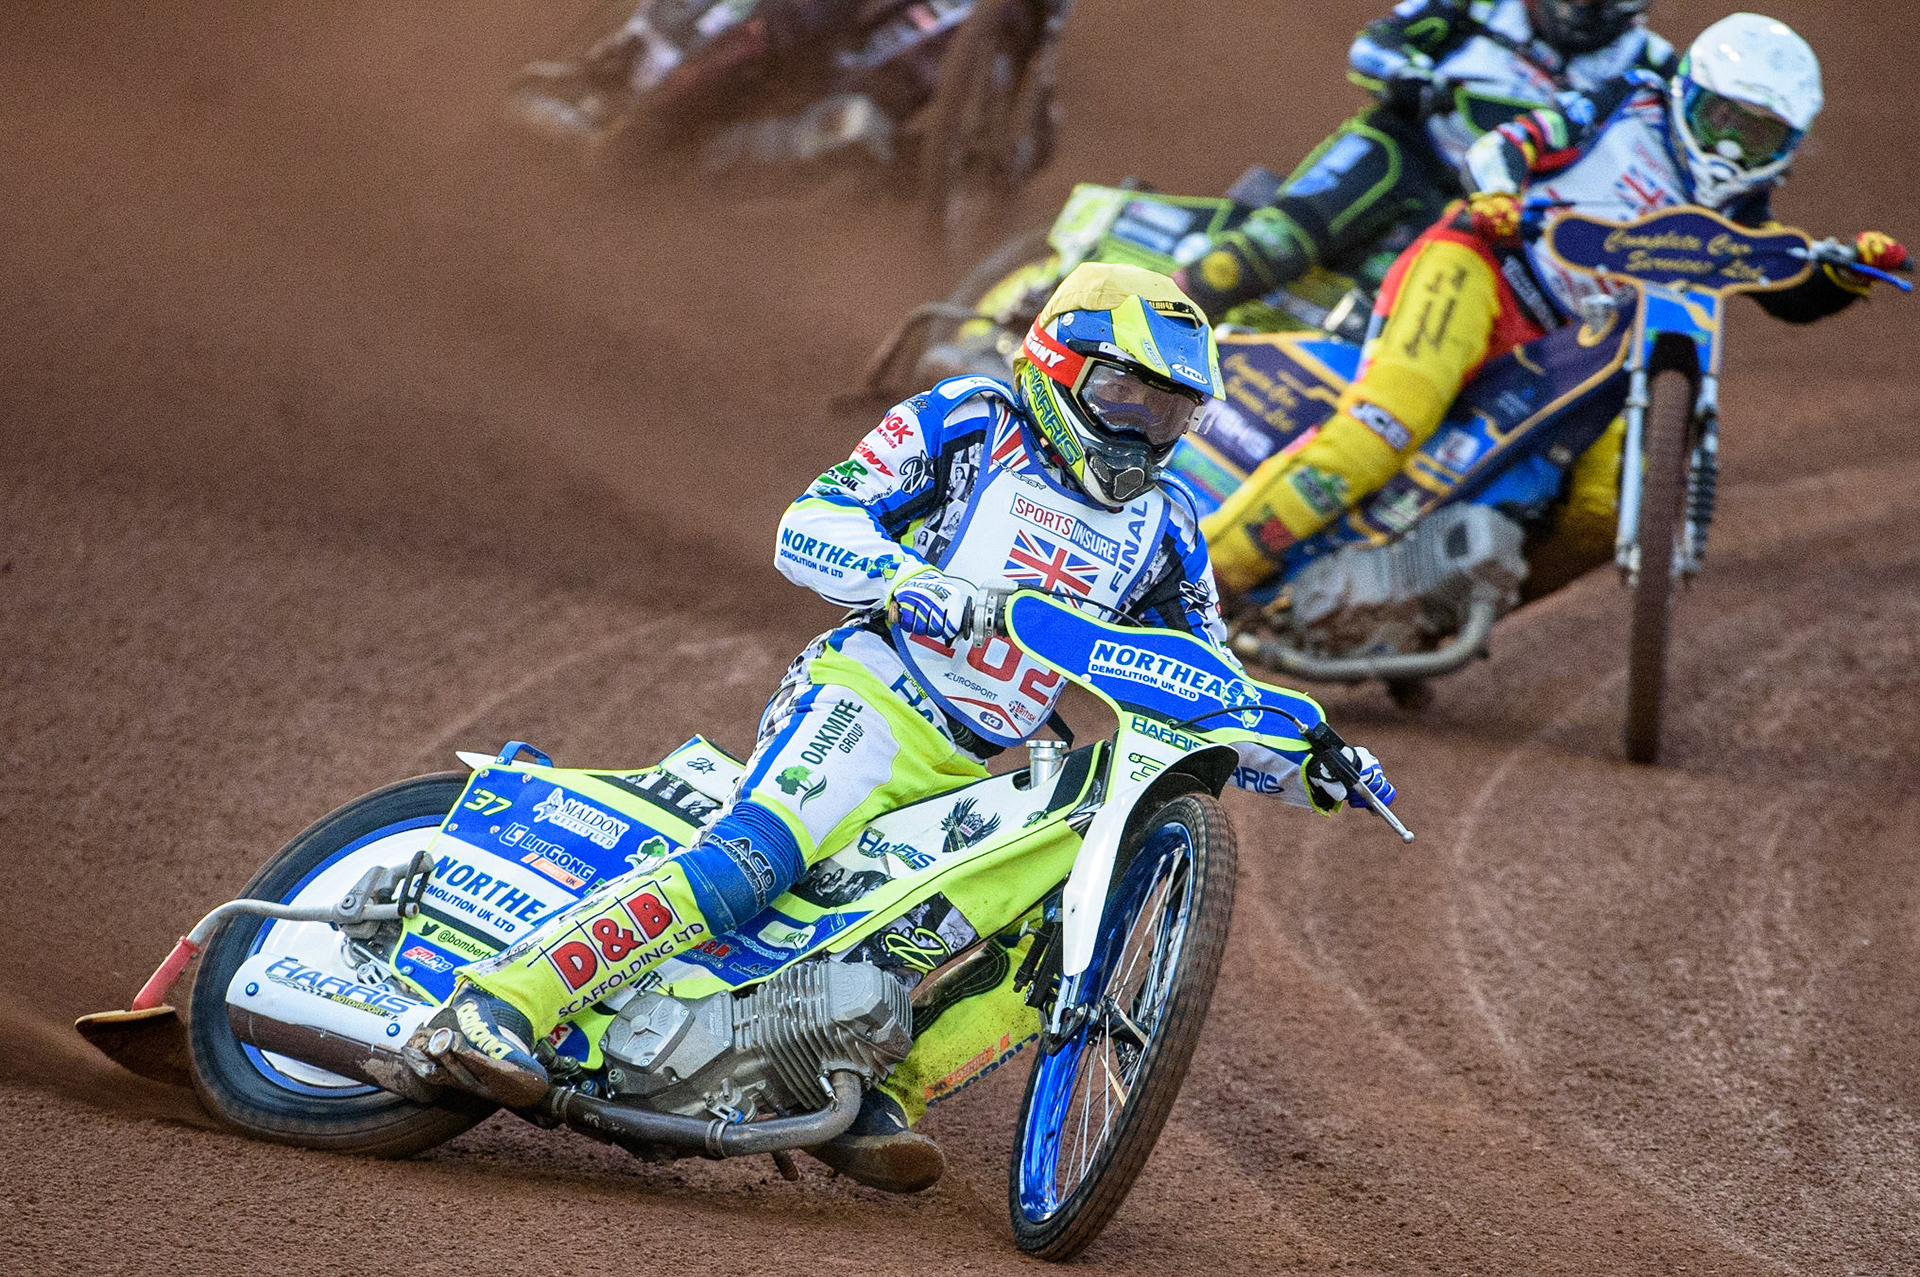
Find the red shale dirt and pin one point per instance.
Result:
(340, 432)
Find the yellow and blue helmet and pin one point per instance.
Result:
(1114, 370)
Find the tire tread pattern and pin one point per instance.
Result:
(1662, 500)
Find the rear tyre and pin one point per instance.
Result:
(990, 123)
(1096, 1102)
(939, 348)
(1663, 497)
(270, 1097)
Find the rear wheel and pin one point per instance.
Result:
(272, 1097)
(941, 342)
(990, 124)
(1663, 497)
(1097, 1100)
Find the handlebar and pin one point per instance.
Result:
(1835, 253)
(984, 618)
(1328, 750)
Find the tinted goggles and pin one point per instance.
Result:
(1128, 404)
(1757, 138)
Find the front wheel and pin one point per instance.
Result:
(1096, 1101)
(273, 1097)
(1663, 498)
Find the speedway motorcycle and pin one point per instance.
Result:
(1408, 587)
(962, 90)
(1115, 857)
(977, 327)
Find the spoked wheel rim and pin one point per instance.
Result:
(1082, 1088)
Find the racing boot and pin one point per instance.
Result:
(482, 1044)
(881, 1151)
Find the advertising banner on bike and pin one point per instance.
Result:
(1684, 248)
(1281, 387)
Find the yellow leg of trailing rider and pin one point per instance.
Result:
(1437, 331)
(1583, 528)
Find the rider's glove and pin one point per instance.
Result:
(1329, 791)
(1494, 216)
(931, 604)
(1879, 250)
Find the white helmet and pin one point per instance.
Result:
(1743, 99)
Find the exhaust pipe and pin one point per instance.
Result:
(280, 1004)
(717, 1138)
(1450, 656)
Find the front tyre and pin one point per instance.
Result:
(272, 1097)
(1663, 498)
(1096, 1101)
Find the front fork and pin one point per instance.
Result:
(1703, 473)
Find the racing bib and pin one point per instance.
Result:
(1022, 530)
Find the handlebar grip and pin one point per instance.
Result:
(1885, 277)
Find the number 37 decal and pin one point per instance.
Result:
(487, 803)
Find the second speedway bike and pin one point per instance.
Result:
(1408, 587)
(959, 94)
(1115, 859)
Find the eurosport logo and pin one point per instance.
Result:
(1176, 678)
(576, 817)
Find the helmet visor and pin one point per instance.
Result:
(1737, 131)
(1127, 404)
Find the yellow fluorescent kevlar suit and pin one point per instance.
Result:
(791, 812)
(1445, 310)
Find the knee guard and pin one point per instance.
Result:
(1267, 252)
(748, 857)
(639, 920)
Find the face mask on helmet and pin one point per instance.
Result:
(1114, 427)
(1581, 26)
(1114, 370)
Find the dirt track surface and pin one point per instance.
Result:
(339, 434)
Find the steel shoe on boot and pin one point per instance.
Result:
(481, 1044)
(881, 1151)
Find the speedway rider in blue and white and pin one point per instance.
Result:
(1054, 483)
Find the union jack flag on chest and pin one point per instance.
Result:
(1047, 565)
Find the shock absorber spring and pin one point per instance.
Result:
(1702, 478)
